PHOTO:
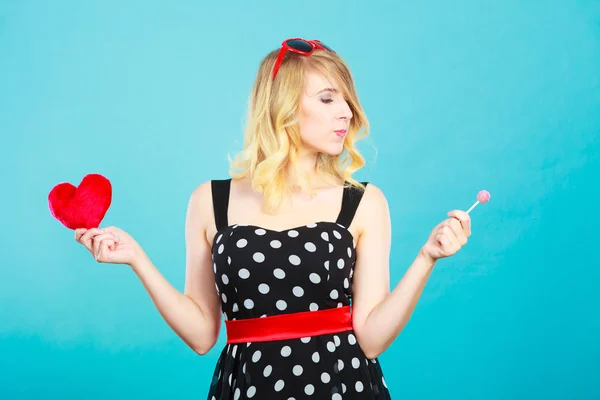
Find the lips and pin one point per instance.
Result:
(341, 132)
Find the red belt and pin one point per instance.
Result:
(289, 326)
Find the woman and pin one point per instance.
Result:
(288, 244)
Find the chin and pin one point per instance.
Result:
(333, 150)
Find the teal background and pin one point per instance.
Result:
(462, 96)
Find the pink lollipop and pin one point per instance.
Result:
(482, 197)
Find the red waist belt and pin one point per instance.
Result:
(289, 326)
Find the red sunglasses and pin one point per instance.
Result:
(299, 46)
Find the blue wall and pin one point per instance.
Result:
(462, 96)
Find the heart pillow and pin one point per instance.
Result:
(83, 206)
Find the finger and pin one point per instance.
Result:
(458, 230)
(107, 238)
(86, 238)
(450, 237)
(79, 232)
(464, 218)
(103, 250)
(444, 244)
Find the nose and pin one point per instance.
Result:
(345, 112)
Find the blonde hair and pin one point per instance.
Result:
(272, 137)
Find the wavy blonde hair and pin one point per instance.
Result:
(272, 136)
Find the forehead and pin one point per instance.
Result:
(316, 82)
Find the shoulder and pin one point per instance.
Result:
(373, 210)
(373, 196)
(203, 193)
(200, 204)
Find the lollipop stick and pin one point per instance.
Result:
(473, 206)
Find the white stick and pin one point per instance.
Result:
(472, 207)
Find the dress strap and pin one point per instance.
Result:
(350, 201)
(220, 198)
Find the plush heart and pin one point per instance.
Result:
(83, 206)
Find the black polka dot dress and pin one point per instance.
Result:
(262, 273)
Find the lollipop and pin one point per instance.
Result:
(482, 197)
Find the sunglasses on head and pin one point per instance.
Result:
(299, 46)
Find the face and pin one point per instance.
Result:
(324, 116)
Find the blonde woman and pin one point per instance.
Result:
(291, 250)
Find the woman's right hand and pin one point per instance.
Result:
(109, 245)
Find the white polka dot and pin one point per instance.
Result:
(340, 263)
(260, 232)
(279, 274)
(236, 396)
(346, 283)
(297, 370)
(236, 308)
(355, 362)
(256, 356)
(244, 273)
(343, 388)
(312, 225)
(330, 346)
(215, 268)
(241, 243)
(219, 238)
(263, 288)
(221, 248)
(229, 260)
(313, 307)
(275, 244)
(305, 339)
(298, 291)
(316, 357)
(359, 386)
(326, 265)
(351, 339)
(340, 365)
(336, 396)
(286, 351)
(225, 279)
(224, 298)
(314, 278)
(279, 385)
(293, 233)
(251, 392)
(349, 252)
(267, 371)
(249, 304)
(294, 260)
(281, 305)
(310, 247)
(337, 340)
(258, 257)
(309, 389)
(334, 294)
(340, 305)
(337, 234)
(325, 378)
(330, 248)
(325, 236)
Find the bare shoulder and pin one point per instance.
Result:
(200, 205)
(373, 210)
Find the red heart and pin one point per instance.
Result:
(83, 206)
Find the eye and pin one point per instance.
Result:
(327, 100)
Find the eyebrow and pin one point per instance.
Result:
(327, 90)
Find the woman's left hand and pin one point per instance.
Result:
(449, 236)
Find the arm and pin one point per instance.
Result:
(378, 315)
(194, 315)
